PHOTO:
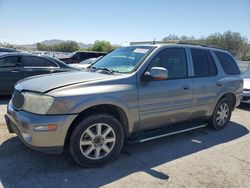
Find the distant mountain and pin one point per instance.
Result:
(51, 42)
(27, 46)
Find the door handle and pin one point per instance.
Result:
(186, 87)
(15, 71)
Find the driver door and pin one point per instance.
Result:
(169, 101)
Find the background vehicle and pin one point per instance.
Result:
(86, 63)
(136, 93)
(77, 57)
(7, 50)
(246, 85)
(16, 66)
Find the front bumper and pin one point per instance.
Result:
(22, 123)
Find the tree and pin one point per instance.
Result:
(102, 46)
(68, 46)
(39, 46)
(230, 41)
(170, 37)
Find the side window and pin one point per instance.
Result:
(227, 63)
(77, 56)
(30, 61)
(174, 60)
(85, 55)
(204, 65)
(9, 61)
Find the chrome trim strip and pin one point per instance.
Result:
(172, 133)
(39, 67)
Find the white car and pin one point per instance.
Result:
(246, 85)
(86, 63)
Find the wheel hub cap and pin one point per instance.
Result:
(98, 141)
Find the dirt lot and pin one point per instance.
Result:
(202, 158)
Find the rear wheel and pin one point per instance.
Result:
(96, 140)
(222, 114)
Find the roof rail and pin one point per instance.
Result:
(176, 42)
(153, 42)
(197, 44)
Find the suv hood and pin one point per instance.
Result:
(45, 83)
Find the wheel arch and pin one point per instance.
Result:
(228, 94)
(117, 111)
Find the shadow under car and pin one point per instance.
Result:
(25, 168)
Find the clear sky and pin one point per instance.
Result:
(30, 21)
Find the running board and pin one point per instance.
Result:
(159, 133)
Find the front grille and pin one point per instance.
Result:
(17, 100)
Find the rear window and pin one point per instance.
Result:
(11, 61)
(32, 61)
(204, 65)
(228, 64)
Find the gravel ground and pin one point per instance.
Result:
(201, 158)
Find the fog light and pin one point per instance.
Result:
(27, 137)
(51, 127)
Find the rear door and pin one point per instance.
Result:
(206, 82)
(10, 73)
(33, 65)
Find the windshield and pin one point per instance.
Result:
(124, 59)
(246, 74)
(70, 55)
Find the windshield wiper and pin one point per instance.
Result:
(110, 71)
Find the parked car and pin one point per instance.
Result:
(77, 57)
(86, 63)
(7, 50)
(246, 85)
(137, 93)
(16, 66)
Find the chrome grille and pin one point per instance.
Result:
(17, 100)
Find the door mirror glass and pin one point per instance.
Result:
(156, 73)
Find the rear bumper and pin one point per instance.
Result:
(246, 95)
(23, 123)
(238, 100)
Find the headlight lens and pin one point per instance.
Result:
(37, 103)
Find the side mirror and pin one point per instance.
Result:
(156, 73)
(76, 56)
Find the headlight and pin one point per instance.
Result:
(37, 103)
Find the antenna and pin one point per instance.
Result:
(153, 42)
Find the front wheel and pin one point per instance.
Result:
(222, 114)
(96, 140)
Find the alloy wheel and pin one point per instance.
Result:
(222, 114)
(97, 141)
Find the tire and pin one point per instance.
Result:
(92, 148)
(218, 121)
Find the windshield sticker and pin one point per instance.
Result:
(140, 50)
